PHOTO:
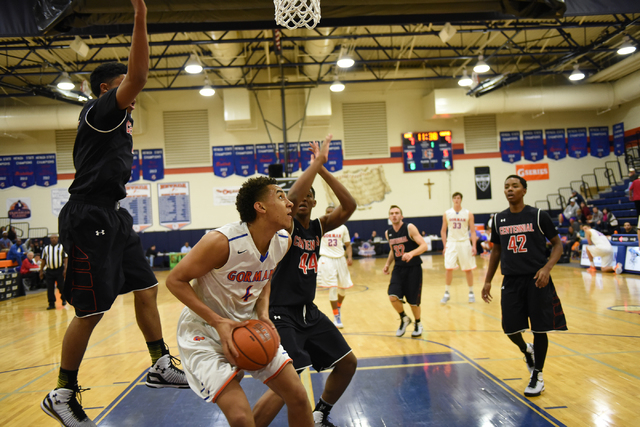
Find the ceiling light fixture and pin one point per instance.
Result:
(345, 61)
(65, 82)
(207, 90)
(481, 66)
(193, 65)
(336, 86)
(465, 80)
(626, 47)
(576, 74)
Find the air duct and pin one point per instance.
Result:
(597, 96)
(226, 53)
(49, 117)
(317, 50)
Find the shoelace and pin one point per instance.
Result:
(75, 403)
(173, 361)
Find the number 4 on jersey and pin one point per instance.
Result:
(516, 243)
(311, 265)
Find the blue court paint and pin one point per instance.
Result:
(443, 389)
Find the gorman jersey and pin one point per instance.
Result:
(400, 243)
(294, 281)
(458, 225)
(332, 244)
(232, 290)
(599, 239)
(523, 239)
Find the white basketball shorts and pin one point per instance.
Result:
(459, 253)
(203, 361)
(605, 252)
(333, 272)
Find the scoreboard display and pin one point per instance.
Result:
(427, 151)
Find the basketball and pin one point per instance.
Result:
(256, 345)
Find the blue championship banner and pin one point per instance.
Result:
(335, 156)
(135, 166)
(293, 149)
(577, 142)
(6, 172)
(305, 156)
(152, 164)
(265, 156)
(24, 173)
(46, 171)
(618, 139)
(245, 159)
(223, 161)
(533, 145)
(556, 144)
(510, 146)
(599, 141)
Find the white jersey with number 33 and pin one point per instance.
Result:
(458, 224)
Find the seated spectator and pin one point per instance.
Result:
(35, 245)
(151, 254)
(596, 218)
(186, 248)
(584, 214)
(627, 228)
(632, 177)
(374, 237)
(30, 270)
(11, 233)
(17, 253)
(5, 243)
(570, 239)
(578, 197)
(570, 213)
(609, 222)
(356, 238)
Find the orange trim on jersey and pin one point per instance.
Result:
(278, 371)
(223, 387)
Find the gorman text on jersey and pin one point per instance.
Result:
(250, 276)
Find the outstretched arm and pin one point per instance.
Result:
(344, 210)
(138, 67)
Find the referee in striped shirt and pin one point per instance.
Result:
(55, 259)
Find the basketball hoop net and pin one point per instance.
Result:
(297, 13)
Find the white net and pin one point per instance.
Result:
(297, 13)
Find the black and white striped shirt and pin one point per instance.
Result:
(53, 256)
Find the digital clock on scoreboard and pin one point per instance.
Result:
(427, 151)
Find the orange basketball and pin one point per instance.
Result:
(256, 345)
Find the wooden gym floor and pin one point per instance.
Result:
(462, 371)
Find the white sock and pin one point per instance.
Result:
(447, 288)
(470, 290)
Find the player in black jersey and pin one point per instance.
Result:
(519, 236)
(310, 338)
(406, 245)
(105, 255)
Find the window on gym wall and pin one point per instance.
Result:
(186, 138)
(480, 134)
(65, 139)
(365, 130)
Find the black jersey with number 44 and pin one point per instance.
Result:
(523, 239)
(400, 243)
(294, 281)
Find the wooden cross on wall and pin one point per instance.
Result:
(429, 184)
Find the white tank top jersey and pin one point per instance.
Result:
(232, 290)
(458, 224)
(332, 244)
(599, 239)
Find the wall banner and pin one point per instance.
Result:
(59, 197)
(556, 144)
(6, 172)
(335, 156)
(244, 158)
(174, 206)
(533, 172)
(305, 155)
(265, 156)
(46, 172)
(577, 142)
(618, 139)
(223, 161)
(135, 167)
(533, 145)
(225, 196)
(24, 171)
(599, 141)
(294, 156)
(152, 164)
(19, 209)
(483, 183)
(138, 204)
(510, 146)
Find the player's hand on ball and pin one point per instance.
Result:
(225, 329)
(274, 330)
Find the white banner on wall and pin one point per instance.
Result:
(174, 205)
(138, 204)
(59, 198)
(19, 209)
(225, 195)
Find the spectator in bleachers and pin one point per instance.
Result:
(634, 194)
(11, 233)
(17, 253)
(374, 237)
(35, 245)
(151, 254)
(578, 197)
(5, 243)
(627, 228)
(609, 222)
(596, 218)
(570, 213)
(584, 213)
(569, 239)
(186, 248)
(356, 238)
(30, 270)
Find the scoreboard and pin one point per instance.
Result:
(427, 151)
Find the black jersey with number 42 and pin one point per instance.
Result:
(294, 281)
(523, 239)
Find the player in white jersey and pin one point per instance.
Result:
(599, 245)
(231, 269)
(457, 247)
(332, 267)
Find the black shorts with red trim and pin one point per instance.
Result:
(106, 258)
(406, 282)
(522, 302)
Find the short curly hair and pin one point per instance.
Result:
(105, 73)
(253, 190)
